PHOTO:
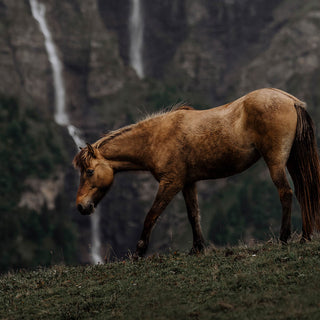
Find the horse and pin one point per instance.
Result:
(182, 146)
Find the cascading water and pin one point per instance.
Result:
(60, 115)
(136, 37)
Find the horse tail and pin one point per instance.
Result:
(304, 167)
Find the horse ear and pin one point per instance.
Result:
(91, 150)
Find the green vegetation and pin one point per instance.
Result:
(30, 146)
(267, 281)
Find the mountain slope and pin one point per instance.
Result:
(266, 281)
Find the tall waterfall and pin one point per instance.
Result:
(136, 37)
(60, 115)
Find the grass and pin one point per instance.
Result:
(267, 281)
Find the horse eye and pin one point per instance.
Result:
(90, 172)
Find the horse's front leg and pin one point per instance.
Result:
(191, 199)
(167, 190)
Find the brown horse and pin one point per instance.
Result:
(185, 145)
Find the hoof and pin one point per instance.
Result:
(302, 240)
(193, 252)
(140, 250)
(305, 238)
(284, 236)
(135, 256)
(197, 249)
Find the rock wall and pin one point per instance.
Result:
(216, 49)
(22, 45)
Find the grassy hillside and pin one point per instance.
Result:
(267, 281)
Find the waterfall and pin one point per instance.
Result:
(60, 114)
(136, 37)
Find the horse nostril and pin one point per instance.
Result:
(85, 209)
(80, 207)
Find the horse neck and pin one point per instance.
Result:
(126, 149)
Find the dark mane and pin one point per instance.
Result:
(81, 160)
(111, 135)
(183, 107)
(176, 107)
(116, 133)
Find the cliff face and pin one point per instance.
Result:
(291, 59)
(223, 37)
(205, 52)
(21, 46)
(217, 49)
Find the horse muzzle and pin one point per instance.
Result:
(86, 210)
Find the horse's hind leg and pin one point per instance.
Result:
(279, 178)
(191, 199)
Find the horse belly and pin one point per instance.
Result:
(223, 162)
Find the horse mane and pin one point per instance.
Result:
(175, 107)
(113, 134)
(82, 158)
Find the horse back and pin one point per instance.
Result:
(228, 139)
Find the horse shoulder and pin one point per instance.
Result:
(166, 139)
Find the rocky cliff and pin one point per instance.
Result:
(203, 52)
(217, 49)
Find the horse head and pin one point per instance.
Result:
(96, 177)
